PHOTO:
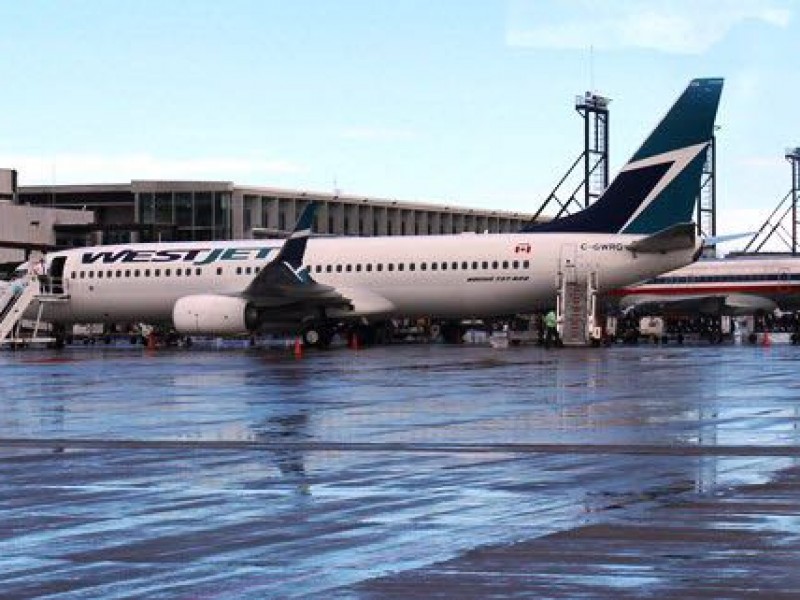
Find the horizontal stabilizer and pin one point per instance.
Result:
(721, 239)
(677, 237)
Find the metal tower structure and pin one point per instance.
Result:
(707, 199)
(587, 178)
(776, 223)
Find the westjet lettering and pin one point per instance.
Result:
(195, 256)
(640, 227)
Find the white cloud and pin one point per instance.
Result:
(763, 163)
(95, 168)
(750, 220)
(378, 134)
(671, 26)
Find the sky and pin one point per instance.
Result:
(461, 102)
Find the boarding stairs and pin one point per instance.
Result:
(15, 301)
(576, 305)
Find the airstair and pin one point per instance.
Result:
(16, 299)
(576, 302)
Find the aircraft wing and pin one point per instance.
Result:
(285, 283)
(712, 304)
(285, 288)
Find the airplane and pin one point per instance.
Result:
(640, 227)
(736, 286)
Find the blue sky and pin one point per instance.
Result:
(455, 101)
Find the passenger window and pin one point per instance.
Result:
(146, 273)
(390, 267)
(435, 266)
(358, 268)
(99, 274)
(127, 272)
(411, 266)
(238, 270)
(328, 268)
(400, 266)
(136, 273)
(379, 267)
(338, 268)
(81, 274)
(198, 271)
(369, 267)
(348, 268)
(505, 264)
(485, 264)
(248, 270)
(474, 264)
(318, 268)
(157, 272)
(91, 274)
(178, 272)
(72, 275)
(526, 264)
(424, 266)
(167, 272)
(219, 270)
(516, 264)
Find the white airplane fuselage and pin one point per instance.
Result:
(441, 276)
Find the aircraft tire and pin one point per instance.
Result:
(316, 337)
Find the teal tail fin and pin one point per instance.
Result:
(661, 182)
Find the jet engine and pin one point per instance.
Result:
(214, 314)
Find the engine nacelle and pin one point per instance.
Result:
(213, 314)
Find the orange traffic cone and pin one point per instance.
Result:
(298, 348)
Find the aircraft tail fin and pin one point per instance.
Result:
(659, 185)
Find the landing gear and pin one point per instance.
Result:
(60, 336)
(317, 336)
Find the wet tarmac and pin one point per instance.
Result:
(400, 472)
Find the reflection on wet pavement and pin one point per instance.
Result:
(398, 472)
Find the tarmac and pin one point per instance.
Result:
(408, 471)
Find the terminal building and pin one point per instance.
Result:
(142, 211)
(24, 228)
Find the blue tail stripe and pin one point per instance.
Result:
(628, 188)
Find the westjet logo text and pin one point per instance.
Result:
(195, 256)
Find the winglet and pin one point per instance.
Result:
(294, 248)
(287, 267)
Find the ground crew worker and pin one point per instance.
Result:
(550, 331)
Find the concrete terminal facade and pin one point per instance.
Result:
(216, 210)
(24, 227)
